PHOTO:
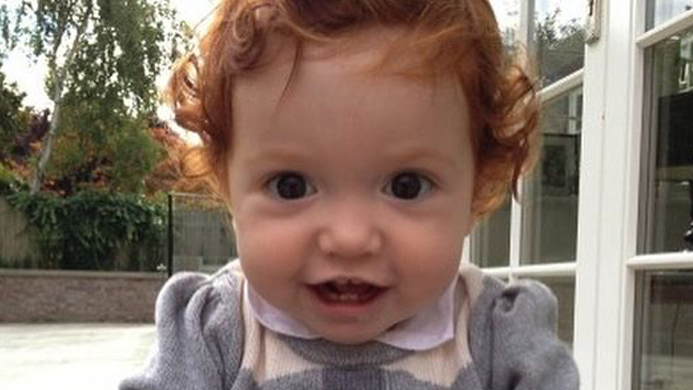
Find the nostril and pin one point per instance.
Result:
(350, 244)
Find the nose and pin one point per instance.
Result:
(350, 231)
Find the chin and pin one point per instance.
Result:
(350, 339)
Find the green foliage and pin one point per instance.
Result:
(85, 231)
(4, 31)
(118, 60)
(134, 154)
(10, 182)
(9, 30)
(89, 153)
(13, 119)
(122, 48)
(103, 59)
(560, 47)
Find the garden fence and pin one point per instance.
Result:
(200, 237)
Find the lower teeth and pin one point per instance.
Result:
(345, 297)
(332, 296)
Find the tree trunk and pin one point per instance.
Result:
(61, 75)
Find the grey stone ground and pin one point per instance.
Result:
(71, 356)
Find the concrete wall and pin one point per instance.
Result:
(67, 296)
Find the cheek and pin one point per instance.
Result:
(270, 249)
(430, 253)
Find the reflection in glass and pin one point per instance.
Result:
(564, 289)
(508, 17)
(490, 240)
(660, 11)
(558, 38)
(550, 198)
(663, 358)
(669, 176)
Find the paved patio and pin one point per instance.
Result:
(71, 356)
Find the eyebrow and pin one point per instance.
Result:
(421, 153)
(412, 154)
(276, 154)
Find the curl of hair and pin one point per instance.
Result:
(449, 36)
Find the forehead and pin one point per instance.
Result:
(352, 84)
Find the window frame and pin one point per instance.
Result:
(615, 121)
(614, 182)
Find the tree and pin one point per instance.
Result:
(559, 47)
(13, 119)
(103, 57)
(8, 36)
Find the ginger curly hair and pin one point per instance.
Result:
(450, 36)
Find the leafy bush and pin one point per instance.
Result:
(86, 230)
(13, 118)
(98, 150)
(10, 182)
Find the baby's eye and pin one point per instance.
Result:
(408, 185)
(290, 186)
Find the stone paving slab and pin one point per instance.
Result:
(71, 356)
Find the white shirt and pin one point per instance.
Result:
(430, 328)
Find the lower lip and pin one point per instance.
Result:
(346, 310)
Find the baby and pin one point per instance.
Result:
(356, 143)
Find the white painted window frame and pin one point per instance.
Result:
(613, 89)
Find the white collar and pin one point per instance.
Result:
(431, 327)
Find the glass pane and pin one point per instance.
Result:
(202, 238)
(490, 241)
(558, 38)
(550, 198)
(663, 356)
(508, 17)
(564, 289)
(659, 11)
(670, 166)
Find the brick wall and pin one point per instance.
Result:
(71, 296)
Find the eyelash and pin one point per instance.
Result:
(272, 183)
(423, 179)
(305, 188)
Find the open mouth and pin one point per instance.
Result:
(346, 292)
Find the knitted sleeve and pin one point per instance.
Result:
(199, 336)
(526, 353)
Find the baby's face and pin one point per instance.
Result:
(354, 177)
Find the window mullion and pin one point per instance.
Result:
(561, 86)
(663, 31)
(526, 22)
(667, 261)
(515, 231)
(589, 212)
(608, 203)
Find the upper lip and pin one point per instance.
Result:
(352, 279)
